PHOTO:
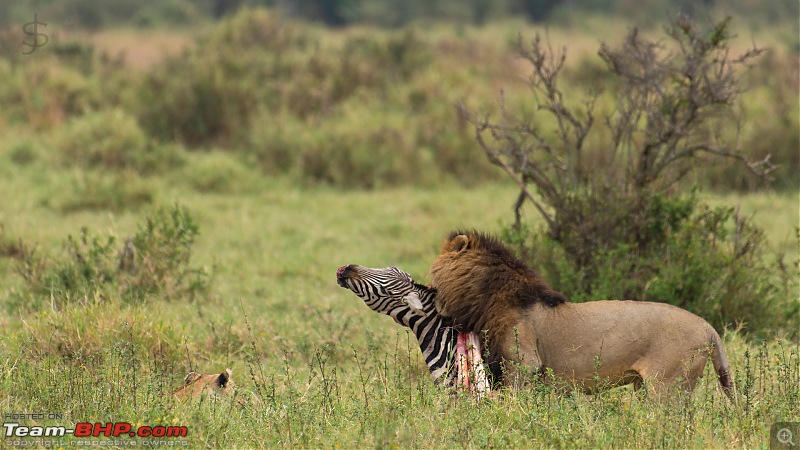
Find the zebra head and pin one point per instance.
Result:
(393, 292)
(388, 291)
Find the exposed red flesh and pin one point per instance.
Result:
(469, 364)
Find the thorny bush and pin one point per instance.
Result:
(155, 261)
(617, 224)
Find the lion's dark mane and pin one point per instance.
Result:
(494, 247)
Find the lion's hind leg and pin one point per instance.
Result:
(654, 379)
(682, 377)
(692, 370)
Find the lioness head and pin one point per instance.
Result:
(197, 385)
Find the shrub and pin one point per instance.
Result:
(46, 95)
(351, 150)
(255, 63)
(101, 139)
(25, 152)
(112, 140)
(209, 94)
(94, 268)
(10, 246)
(167, 12)
(193, 102)
(218, 172)
(769, 128)
(162, 251)
(616, 225)
(107, 191)
(710, 261)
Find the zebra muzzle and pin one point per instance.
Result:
(342, 273)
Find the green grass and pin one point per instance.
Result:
(780, 226)
(315, 367)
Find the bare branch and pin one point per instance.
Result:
(669, 96)
(496, 158)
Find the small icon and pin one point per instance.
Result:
(35, 34)
(785, 436)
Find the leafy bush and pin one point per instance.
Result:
(218, 172)
(101, 140)
(111, 140)
(46, 95)
(25, 152)
(194, 99)
(616, 225)
(162, 251)
(342, 151)
(708, 260)
(769, 126)
(387, 95)
(10, 246)
(194, 102)
(167, 12)
(94, 268)
(209, 94)
(107, 191)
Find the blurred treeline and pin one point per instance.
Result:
(257, 94)
(102, 13)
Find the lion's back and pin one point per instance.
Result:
(629, 320)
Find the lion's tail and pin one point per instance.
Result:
(721, 365)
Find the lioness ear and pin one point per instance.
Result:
(224, 377)
(458, 243)
(413, 301)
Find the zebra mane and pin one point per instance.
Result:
(423, 287)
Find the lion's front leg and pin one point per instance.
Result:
(522, 364)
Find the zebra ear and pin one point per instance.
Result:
(413, 301)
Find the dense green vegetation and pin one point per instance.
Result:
(355, 108)
(190, 214)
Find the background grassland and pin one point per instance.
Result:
(315, 366)
(323, 171)
(356, 108)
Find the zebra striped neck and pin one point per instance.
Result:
(436, 336)
(393, 292)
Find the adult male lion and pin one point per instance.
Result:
(484, 287)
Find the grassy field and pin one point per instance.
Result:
(313, 365)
